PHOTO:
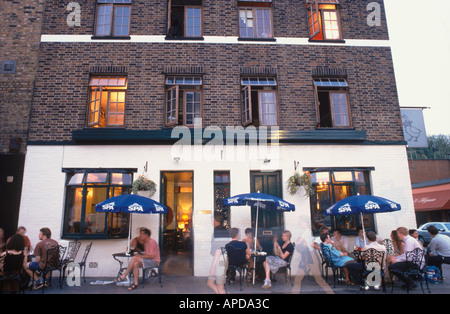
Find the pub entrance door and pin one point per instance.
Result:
(270, 224)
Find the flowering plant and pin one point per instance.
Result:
(142, 183)
(304, 180)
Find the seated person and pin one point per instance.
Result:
(438, 249)
(316, 243)
(401, 262)
(40, 252)
(355, 269)
(237, 251)
(338, 258)
(340, 241)
(149, 258)
(282, 253)
(137, 244)
(359, 240)
(12, 261)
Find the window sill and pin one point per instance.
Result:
(183, 38)
(110, 37)
(335, 128)
(331, 41)
(257, 39)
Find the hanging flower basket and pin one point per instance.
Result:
(304, 180)
(142, 183)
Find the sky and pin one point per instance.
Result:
(419, 32)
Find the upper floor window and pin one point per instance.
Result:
(255, 19)
(185, 18)
(113, 18)
(332, 106)
(259, 101)
(107, 101)
(324, 20)
(184, 100)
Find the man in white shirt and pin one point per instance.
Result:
(438, 249)
(398, 267)
(355, 269)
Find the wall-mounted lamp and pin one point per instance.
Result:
(177, 159)
(266, 160)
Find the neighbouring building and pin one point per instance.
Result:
(431, 189)
(20, 30)
(261, 89)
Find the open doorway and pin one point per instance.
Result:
(177, 233)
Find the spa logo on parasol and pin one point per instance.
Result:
(109, 206)
(159, 208)
(135, 208)
(345, 209)
(371, 205)
(233, 200)
(283, 204)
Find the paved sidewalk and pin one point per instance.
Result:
(197, 285)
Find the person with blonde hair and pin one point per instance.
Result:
(280, 257)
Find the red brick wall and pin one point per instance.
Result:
(61, 88)
(20, 26)
(428, 170)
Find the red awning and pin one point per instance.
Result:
(431, 200)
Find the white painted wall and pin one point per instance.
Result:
(42, 202)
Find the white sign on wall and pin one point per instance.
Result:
(414, 127)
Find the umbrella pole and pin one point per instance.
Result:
(256, 239)
(129, 234)
(364, 230)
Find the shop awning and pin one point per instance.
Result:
(432, 199)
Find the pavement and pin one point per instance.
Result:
(190, 285)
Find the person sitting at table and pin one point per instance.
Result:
(397, 268)
(137, 244)
(12, 261)
(40, 252)
(148, 259)
(238, 253)
(359, 240)
(340, 241)
(250, 240)
(438, 249)
(355, 269)
(338, 258)
(273, 263)
(316, 243)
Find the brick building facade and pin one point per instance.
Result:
(110, 91)
(20, 29)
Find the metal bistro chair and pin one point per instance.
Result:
(152, 272)
(72, 252)
(337, 271)
(413, 269)
(82, 263)
(236, 262)
(287, 268)
(373, 259)
(52, 263)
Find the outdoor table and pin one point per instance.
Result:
(117, 257)
(357, 254)
(259, 269)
